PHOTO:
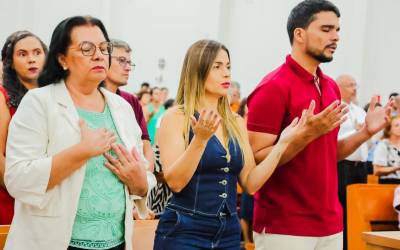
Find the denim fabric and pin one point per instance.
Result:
(247, 207)
(212, 189)
(203, 215)
(185, 231)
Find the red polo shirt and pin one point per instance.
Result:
(137, 108)
(301, 197)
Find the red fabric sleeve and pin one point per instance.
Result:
(140, 118)
(267, 109)
(137, 108)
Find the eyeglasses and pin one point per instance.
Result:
(89, 49)
(123, 61)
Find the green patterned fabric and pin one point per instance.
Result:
(99, 221)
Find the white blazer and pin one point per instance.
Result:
(46, 123)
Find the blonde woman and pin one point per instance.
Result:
(211, 153)
(387, 154)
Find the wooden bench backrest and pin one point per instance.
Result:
(367, 203)
(3, 235)
(143, 234)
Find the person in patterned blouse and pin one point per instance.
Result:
(387, 154)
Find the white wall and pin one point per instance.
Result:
(257, 39)
(163, 29)
(253, 30)
(381, 50)
(154, 28)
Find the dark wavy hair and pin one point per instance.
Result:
(60, 41)
(304, 13)
(15, 89)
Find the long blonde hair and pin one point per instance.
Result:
(196, 67)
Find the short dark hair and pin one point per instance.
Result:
(304, 13)
(60, 40)
(15, 89)
(394, 94)
(119, 44)
(145, 84)
(169, 103)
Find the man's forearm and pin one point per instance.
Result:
(293, 149)
(349, 144)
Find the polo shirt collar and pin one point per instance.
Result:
(301, 72)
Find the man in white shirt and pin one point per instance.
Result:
(353, 169)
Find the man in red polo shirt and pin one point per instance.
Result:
(298, 207)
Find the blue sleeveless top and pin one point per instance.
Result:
(212, 190)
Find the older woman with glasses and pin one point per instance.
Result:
(74, 152)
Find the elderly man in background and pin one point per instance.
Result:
(352, 169)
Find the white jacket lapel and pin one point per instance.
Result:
(66, 105)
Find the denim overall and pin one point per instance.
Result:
(203, 215)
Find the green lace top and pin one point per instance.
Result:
(99, 221)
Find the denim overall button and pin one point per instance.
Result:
(223, 182)
(223, 195)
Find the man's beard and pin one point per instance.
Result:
(319, 56)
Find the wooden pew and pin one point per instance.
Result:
(3, 235)
(369, 208)
(143, 234)
(388, 240)
(372, 179)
